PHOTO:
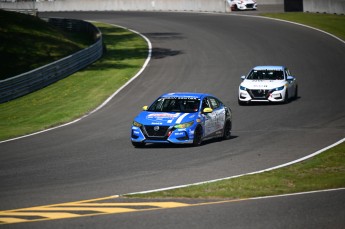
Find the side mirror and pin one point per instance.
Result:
(290, 78)
(145, 108)
(207, 110)
(243, 77)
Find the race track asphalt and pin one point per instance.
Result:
(191, 52)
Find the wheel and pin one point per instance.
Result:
(197, 136)
(138, 144)
(227, 130)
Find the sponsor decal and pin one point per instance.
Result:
(179, 120)
(178, 133)
(191, 97)
(162, 116)
(260, 86)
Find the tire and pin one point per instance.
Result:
(227, 130)
(138, 144)
(197, 136)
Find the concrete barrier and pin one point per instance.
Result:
(324, 6)
(128, 5)
(321, 6)
(123, 5)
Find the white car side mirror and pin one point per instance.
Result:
(290, 78)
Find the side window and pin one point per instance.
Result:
(214, 103)
(205, 104)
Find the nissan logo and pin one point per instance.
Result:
(156, 128)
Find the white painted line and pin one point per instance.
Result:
(296, 194)
(291, 22)
(106, 101)
(232, 177)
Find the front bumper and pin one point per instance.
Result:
(261, 95)
(176, 136)
(247, 6)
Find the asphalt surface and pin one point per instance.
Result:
(191, 52)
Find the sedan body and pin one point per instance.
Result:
(267, 84)
(182, 118)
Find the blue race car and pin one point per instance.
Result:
(182, 118)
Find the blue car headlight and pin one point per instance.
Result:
(243, 88)
(184, 125)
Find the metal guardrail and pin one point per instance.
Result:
(36, 79)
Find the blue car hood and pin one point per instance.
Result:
(164, 118)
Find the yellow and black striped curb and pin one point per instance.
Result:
(101, 206)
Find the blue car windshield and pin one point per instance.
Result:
(183, 105)
(266, 75)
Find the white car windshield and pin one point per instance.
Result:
(266, 75)
(184, 105)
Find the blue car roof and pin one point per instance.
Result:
(269, 67)
(185, 94)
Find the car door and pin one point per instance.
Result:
(291, 83)
(219, 111)
(210, 118)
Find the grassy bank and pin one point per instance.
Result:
(27, 42)
(80, 93)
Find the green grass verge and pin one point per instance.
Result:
(334, 24)
(324, 171)
(27, 42)
(79, 93)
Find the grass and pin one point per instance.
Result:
(27, 42)
(325, 171)
(79, 93)
(334, 24)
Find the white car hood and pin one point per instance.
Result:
(262, 84)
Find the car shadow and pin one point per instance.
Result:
(172, 146)
(254, 104)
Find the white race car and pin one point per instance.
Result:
(242, 4)
(267, 84)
